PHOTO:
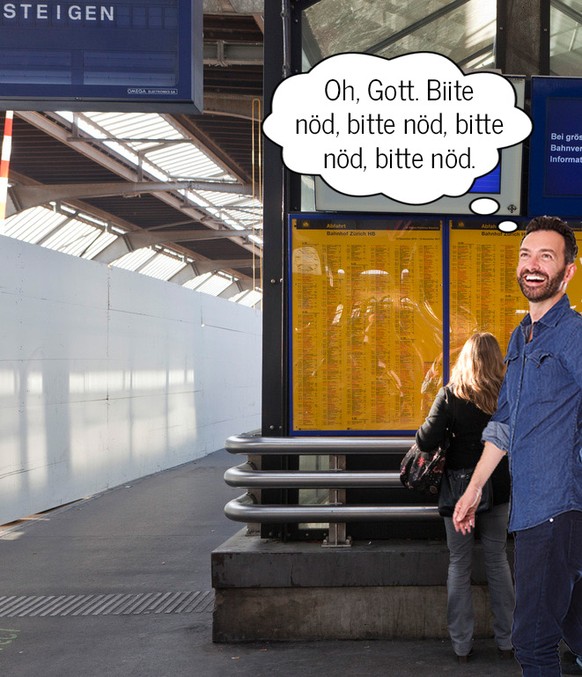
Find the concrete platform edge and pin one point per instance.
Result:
(312, 614)
(269, 590)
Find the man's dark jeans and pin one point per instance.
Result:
(548, 593)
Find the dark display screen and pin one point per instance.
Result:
(116, 50)
(555, 170)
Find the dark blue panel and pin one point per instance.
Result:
(555, 170)
(118, 50)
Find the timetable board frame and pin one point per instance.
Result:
(340, 299)
(340, 361)
(104, 55)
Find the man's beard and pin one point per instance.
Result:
(542, 292)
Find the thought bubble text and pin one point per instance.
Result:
(414, 128)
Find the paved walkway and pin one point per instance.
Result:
(118, 585)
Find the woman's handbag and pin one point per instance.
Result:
(423, 470)
(453, 486)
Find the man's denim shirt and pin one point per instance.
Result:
(539, 417)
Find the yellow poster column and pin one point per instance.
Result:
(366, 321)
(483, 290)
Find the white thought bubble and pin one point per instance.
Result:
(507, 226)
(414, 128)
(484, 205)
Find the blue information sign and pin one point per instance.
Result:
(555, 170)
(108, 55)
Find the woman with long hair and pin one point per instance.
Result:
(461, 410)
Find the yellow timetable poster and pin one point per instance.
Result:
(367, 319)
(366, 322)
(574, 289)
(483, 291)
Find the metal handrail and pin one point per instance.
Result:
(245, 509)
(246, 475)
(249, 443)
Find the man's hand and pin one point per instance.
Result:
(464, 513)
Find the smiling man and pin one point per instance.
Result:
(538, 423)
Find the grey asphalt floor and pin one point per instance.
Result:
(118, 585)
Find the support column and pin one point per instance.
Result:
(523, 44)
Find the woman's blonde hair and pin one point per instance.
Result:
(479, 371)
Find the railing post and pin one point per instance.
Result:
(337, 535)
(254, 528)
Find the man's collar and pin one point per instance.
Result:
(553, 315)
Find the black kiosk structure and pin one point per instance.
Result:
(365, 304)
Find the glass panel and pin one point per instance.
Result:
(463, 30)
(313, 496)
(566, 37)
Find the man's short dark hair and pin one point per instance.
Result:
(559, 226)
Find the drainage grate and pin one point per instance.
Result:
(108, 605)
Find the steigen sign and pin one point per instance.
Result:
(108, 55)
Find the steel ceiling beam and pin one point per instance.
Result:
(27, 196)
(225, 264)
(129, 242)
(138, 239)
(223, 53)
(405, 32)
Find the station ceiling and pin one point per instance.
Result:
(187, 185)
(179, 196)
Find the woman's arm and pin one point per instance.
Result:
(432, 432)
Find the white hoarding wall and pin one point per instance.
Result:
(108, 375)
